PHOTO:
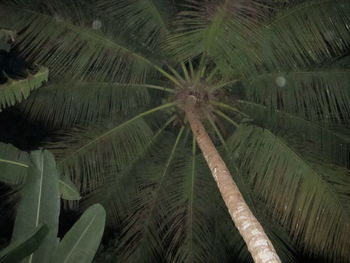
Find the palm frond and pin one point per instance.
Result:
(86, 153)
(312, 94)
(118, 187)
(305, 33)
(189, 236)
(331, 139)
(65, 103)
(16, 90)
(207, 27)
(14, 164)
(304, 192)
(148, 20)
(142, 233)
(100, 52)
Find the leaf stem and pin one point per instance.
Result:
(227, 118)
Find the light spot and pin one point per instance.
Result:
(96, 24)
(281, 81)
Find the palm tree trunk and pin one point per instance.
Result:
(249, 227)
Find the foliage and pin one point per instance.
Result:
(15, 91)
(23, 248)
(39, 210)
(272, 81)
(5, 37)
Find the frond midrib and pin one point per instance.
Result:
(106, 134)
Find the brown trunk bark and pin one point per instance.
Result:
(249, 227)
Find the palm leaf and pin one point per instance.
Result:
(206, 28)
(66, 103)
(304, 193)
(331, 139)
(189, 236)
(117, 189)
(305, 33)
(312, 94)
(298, 35)
(148, 20)
(14, 91)
(140, 239)
(98, 53)
(89, 153)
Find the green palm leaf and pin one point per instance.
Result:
(90, 153)
(86, 51)
(148, 20)
(139, 239)
(14, 91)
(333, 140)
(83, 102)
(305, 33)
(305, 193)
(206, 28)
(117, 188)
(311, 94)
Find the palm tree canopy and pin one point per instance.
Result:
(271, 81)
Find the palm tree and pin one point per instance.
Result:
(130, 80)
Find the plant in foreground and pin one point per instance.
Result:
(34, 237)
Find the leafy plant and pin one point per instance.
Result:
(14, 91)
(19, 250)
(40, 205)
(268, 79)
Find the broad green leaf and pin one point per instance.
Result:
(39, 204)
(82, 240)
(14, 164)
(68, 190)
(14, 91)
(20, 249)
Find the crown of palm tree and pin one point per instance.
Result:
(270, 83)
